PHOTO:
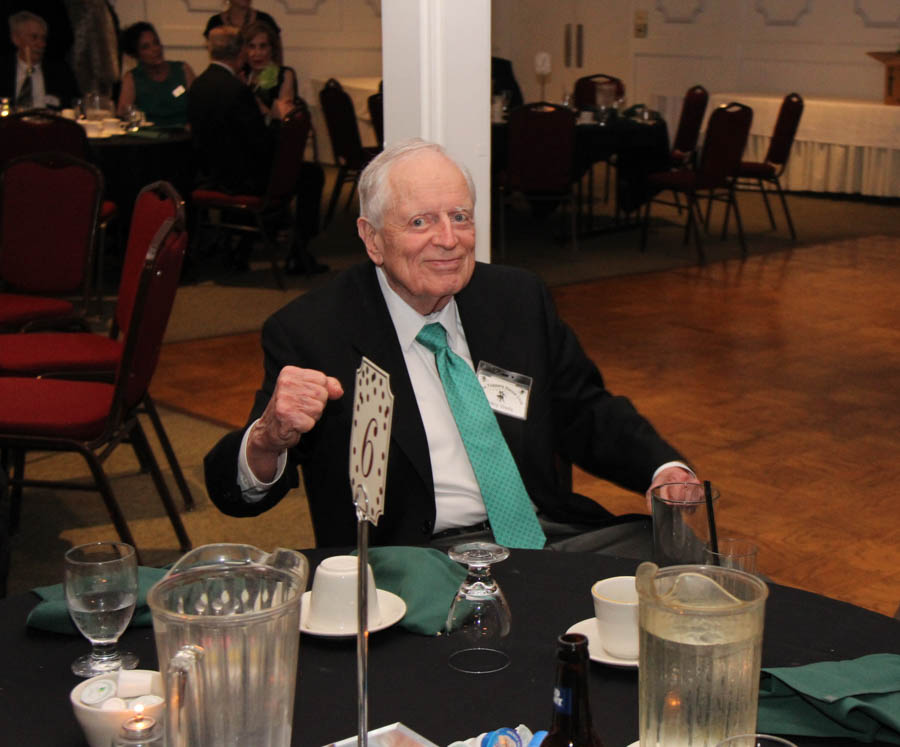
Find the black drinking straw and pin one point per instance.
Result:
(711, 517)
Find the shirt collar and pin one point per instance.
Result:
(225, 65)
(408, 322)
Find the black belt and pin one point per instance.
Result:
(454, 531)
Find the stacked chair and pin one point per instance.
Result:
(714, 178)
(49, 209)
(264, 210)
(82, 392)
(350, 154)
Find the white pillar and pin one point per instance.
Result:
(437, 86)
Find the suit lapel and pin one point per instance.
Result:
(373, 336)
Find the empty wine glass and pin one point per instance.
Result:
(101, 591)
(479, 618)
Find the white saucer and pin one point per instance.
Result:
(392, 607)
(590, 629)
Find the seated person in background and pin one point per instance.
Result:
(239, 14)
(236, 147)
(27, 78)
(266, 76)
(503, 81)
(422, 283)
(157, 87)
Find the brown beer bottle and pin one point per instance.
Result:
(572, 725)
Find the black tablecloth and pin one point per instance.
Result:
(409, 679)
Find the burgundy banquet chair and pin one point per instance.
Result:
(264, 209)
(92, 418)
(49, 207)
(86, 355)
(715, 175)
(754, 175)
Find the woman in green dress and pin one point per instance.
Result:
(157, 87)
(267, 77)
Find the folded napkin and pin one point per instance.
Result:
(857, 699)
(425, 578)
(53, 615)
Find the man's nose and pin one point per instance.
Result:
(444, 235)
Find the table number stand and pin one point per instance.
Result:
(373, 410)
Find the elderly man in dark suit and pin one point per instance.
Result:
(416, 207)
(236, 147)
(28, 79)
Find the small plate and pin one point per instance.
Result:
(595, 650)
(392, 607)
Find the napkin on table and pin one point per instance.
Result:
(856, 699)
(425, 578)
(53, 615)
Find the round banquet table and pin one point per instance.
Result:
(409, 680)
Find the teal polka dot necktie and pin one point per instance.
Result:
(509, 509)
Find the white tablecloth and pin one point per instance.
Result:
(842, 145)
(359, 88)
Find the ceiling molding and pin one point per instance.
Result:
(680, 11)
(878, 14)
(782, 12)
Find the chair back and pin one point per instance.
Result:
(343, 129)
(288, 155)
(49, 206)
(155, 204)
(785, 129)
(693, 110)
(541, 149)
(592, 91)
(376, 112)
(152, 306)
(39, 131)
(726, 137)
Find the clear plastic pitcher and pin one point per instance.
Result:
(700, 643)
(227, 626)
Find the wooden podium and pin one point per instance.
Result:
(891, 62)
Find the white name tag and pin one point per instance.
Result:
(506, 391)
(177, 91)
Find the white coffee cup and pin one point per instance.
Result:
(68, 113)
(99, 724)
(332, 602)
(616, 610)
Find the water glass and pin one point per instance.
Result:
(101, 587)
(681, 522)
(733, 552)
(755, 740)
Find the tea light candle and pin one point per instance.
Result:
(138, 731)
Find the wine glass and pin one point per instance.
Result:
(101, 591)
(479, 618)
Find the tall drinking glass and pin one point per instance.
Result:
(101, 592)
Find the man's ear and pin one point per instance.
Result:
(369, 235)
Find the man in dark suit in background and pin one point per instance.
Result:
(235, 146)
(29, 79)
(417, 223)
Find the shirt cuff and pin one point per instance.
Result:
(254, 490)
(671, 464)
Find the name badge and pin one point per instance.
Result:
(506, 391)
(177, 91)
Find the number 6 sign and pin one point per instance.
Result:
(370, 436)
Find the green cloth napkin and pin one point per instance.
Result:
(857, 699)
(53, 615)
(425, 578)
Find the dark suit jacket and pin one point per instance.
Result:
(230, 135)
(503, 79)
(510, 321)
(58, 80)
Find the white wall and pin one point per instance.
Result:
(816, 47)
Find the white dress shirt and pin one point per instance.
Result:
(39, 97)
